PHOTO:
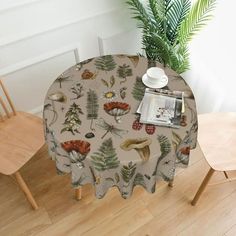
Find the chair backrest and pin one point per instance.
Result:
(4, 105)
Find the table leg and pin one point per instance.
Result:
(203, 186)
(26, 190)
(78, 193)
(226, 175)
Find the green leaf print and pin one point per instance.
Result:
(128, 171)
(123, 72)
(92, 106)
(165, 146)
(105, 63)
(139, 180)
(106, 157)
(138, 89)
(72, 121)
(165, 177)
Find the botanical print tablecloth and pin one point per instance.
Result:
(93, 132)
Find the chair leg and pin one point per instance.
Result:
(26, 190)
(78, 193)
(171, 184)
(203, 186)
(226, 175)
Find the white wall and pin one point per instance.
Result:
(39, 39)
(213, 71)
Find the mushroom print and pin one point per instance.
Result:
(77, 150)
(117, 109)
(141, 145)
(56, 97)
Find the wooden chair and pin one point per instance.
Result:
(21, 136)
(217, 139)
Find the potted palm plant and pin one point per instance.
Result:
(168, 26)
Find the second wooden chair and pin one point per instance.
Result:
(21, 136)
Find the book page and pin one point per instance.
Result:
(162, 109)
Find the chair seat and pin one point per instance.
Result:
(217, 138)
(21, 137)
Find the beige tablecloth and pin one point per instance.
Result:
(93, 131)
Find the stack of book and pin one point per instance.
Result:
(161, 107)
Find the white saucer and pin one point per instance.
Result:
(152, 85)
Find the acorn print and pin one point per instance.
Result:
(137, 125)
(89, 135)
(150, 129)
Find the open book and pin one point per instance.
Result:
(161, 107)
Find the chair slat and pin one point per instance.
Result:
(8, 98)
(4, 107)
(1, 117)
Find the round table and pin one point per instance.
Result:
(93, 131)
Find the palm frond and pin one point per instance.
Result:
(139, 12)
(168, 26)
(163, 7)
(156, 15)
(183, 62)
(157, 46)
(153, 10)
(175, 16)
(195, 20)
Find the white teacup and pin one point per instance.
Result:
(155, 78)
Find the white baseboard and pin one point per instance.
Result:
(37, 111)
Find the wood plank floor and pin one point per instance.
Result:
(166, 212)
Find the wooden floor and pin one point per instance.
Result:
(166, 212)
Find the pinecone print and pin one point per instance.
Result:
(137, 125)
(150, 129)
